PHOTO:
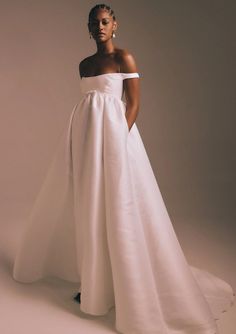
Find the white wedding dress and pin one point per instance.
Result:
(99, 219)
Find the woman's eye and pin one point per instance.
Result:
(96, 23)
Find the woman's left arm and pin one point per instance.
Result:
(131, 88)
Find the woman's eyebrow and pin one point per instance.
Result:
(104, 18)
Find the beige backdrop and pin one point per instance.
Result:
(185, 52)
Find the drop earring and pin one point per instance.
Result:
(113, 35)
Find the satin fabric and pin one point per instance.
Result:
(100, 220)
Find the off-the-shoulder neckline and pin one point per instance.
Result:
(94, 76)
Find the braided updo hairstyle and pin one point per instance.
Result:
(101, 6)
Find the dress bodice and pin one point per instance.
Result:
(110, 83)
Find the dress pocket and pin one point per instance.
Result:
(127, 127)
(125, 120)
(124, 117)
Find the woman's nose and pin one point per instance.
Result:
(100, 25)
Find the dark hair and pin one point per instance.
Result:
(94, 10)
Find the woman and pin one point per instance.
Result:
(107, 226)
(108, 58)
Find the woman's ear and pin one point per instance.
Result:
(115, 25)
(88, 27)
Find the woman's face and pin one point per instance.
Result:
(102, 25)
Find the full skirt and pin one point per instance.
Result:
(99, 219)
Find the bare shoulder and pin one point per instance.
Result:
(84, 65)
(127, 61)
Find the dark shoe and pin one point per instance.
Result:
(77, 297)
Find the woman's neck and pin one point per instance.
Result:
(105, 48)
